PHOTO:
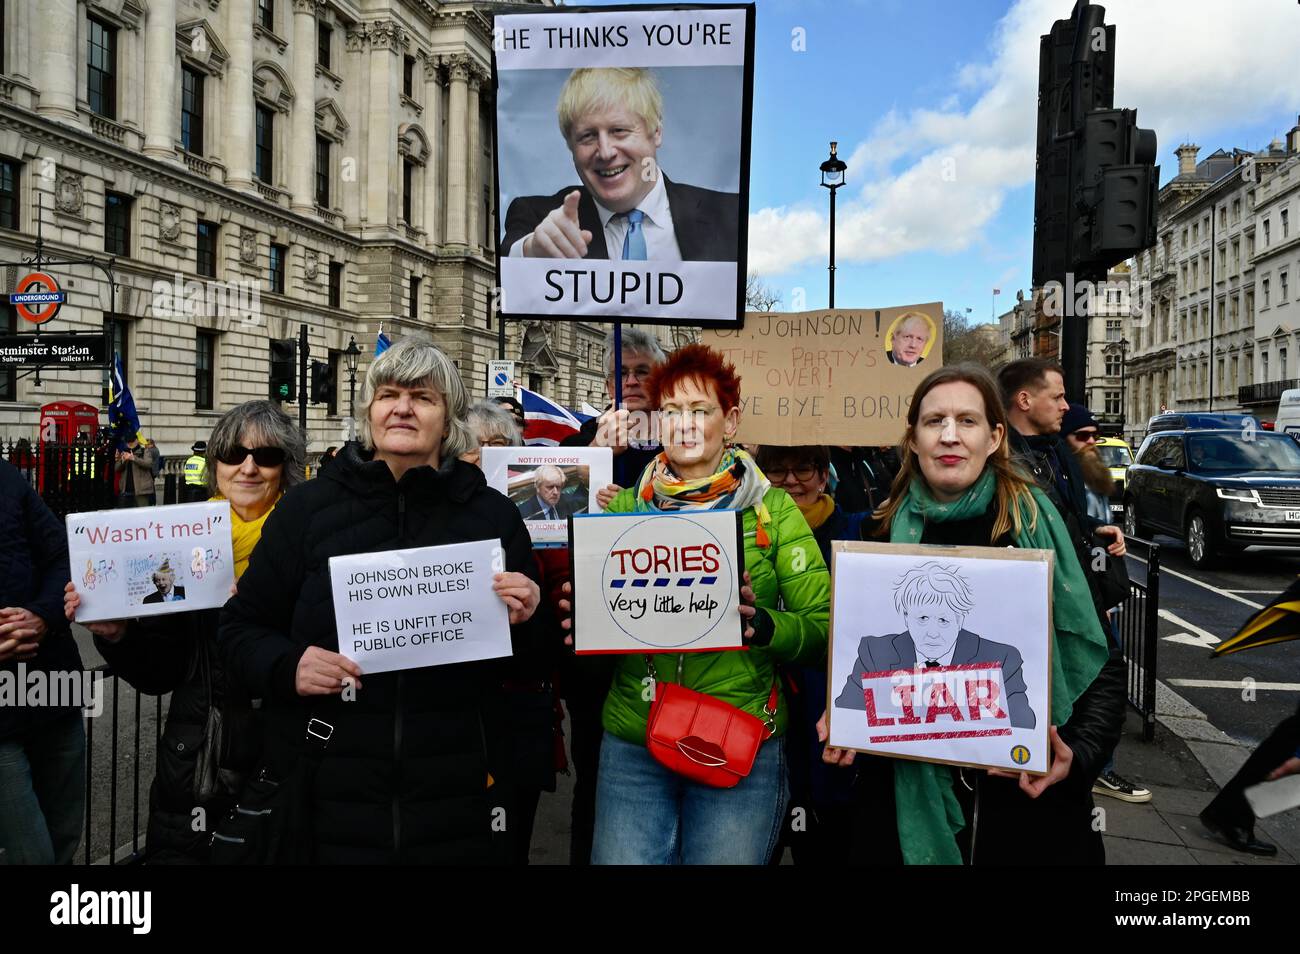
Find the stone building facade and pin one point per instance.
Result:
(248, 167)
(1204, 343)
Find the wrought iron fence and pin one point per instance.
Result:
(1138, 618)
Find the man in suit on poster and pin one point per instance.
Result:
(626, 208)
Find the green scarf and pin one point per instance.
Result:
(928, 813)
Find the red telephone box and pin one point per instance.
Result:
(61, 423)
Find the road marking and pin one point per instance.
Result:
(1256, 592)
(1235, 684)
(1197, 636)
(1213, 589)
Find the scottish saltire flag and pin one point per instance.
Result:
(382, 342)
(122, 416)
(545, 422)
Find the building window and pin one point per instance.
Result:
(1223, 263)
(1263, 367)
(1223, 217)
(408, 76)
(205, 362)
(192, 110)
(336, 284)
(1236, 255)
(1250, 307)
(1263, 293)
(1286, 223)
(1266, 236)
(322, 172)
(1114, 329)
(332, 399)
(9, 376)
(9, 193)
(1250, 246)
(1112, 402)
(323, 37)
(275, 275)
(101, 68)
(1196, 232)
(408, 176)
(1112, 364)
(1282, 291)
(1236, 210)
(118, 345)
(1281, 363)
(117, 223)
(414, 290)
(206, 258)
(266, 13)
(265, 143)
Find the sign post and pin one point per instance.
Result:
(501, 379)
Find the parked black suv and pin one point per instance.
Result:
(1220, 490)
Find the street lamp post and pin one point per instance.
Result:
(832, 178)
(350, 356)
(1121, 346)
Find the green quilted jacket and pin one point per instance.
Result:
(791, 583)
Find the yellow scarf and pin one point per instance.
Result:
(817, 512)
(244, 534)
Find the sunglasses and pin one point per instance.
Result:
(262, 456)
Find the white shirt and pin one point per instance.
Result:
(657, 226)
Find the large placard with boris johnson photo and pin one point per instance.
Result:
(622, 151)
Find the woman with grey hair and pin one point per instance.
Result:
(411, 765)
(213, 734)
(492, 426)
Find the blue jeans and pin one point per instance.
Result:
(647, 815)
(43, 793)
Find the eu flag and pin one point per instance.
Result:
(122, 416)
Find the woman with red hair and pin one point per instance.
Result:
(645, 812)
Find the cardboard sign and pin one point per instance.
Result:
(657, 582)
(429, 606)
(941, 653)
(657, 232)
(549, 485)
(831, 377)
(150, 561)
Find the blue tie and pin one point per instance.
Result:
(634, 240)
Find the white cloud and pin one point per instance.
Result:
(934, 178)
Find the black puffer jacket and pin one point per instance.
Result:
(417, 769)
(213, 735)
(33, 572)
(1010, 828)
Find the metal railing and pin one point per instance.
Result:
(1138, 618)
(97, 849)
(1265, 393)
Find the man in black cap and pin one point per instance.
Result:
(196, 474)
(1080, 431)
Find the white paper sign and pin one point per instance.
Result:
(150, 561)
(653, 583)
(941, 653)
(403, 609)
(549, 484)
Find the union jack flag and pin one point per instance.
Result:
(545, 422)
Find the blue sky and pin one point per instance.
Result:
(932, 102)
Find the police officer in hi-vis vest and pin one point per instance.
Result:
(196, 473)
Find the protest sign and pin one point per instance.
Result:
(831, 377)
(150, 561)
(429, 606)
(941, 654)
(622, 150)
(657, 582)
(549, 484)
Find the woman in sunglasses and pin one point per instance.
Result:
(805, 473)
(415, 766)
(212, 738)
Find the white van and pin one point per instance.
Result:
(1288, 413)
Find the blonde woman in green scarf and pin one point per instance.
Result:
(957, 486)
(212, 735)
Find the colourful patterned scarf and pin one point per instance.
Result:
(737, 484)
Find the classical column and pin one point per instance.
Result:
(458, 73)
(161, 89)
(383, 169)
(433, 127)
(238, 94)
(473, 179)
(57, 72)
(302, 151)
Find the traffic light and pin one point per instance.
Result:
(1116, 189)
(284, 358)
(323, 383)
